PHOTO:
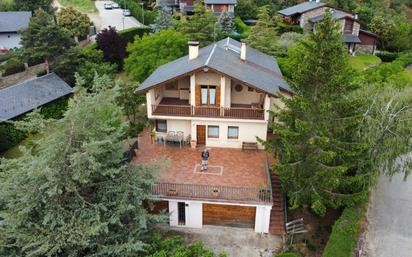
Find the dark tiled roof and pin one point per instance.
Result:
(368, 33)
(301, 8)
(349, 38)
(259, 70)
(337, 15)
(14, 21)
(26, 96)
(220, 1)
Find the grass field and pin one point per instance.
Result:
(362, 61)
(86, 6)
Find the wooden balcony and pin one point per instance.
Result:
(209, 112)
(210, 192)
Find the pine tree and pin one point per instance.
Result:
(44, 39)
(164, 20)
(72, 194)
(202, 26)
(321, 160)
(264, 36)
(227, 26)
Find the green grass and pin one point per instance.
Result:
(362, 61)
(14, 152)
(86, 6)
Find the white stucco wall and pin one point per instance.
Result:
(262, 219)
(194, 214)
(173, 218)
(243, 97)
(207, 78)
(178, 125)
(9, 40)
(248, 132)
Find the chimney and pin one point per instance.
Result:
(243, 51)
(193, 49)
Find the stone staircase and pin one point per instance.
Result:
(277, 215)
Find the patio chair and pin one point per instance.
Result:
(171, 133)
(180, 134)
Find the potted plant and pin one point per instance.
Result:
(152, 135)
(193, 143)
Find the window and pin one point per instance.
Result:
(208, 95)
(213, 131)
(161, 126)
(250, 89)
(348, 26)
(233, 132)
(172, 86)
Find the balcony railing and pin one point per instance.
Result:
(210, 112)
(208, 192)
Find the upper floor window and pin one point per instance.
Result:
(208, 95)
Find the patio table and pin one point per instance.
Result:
(174, 138)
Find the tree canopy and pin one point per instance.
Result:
(72, 194)
(149, 52)
(76, 23)
(113, 46)
(43, 39)
(34, 5)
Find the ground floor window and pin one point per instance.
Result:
(161, 126)
(232, 132)
(213, 131)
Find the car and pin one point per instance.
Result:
(127, 12)
(115, 5)
(108, 6)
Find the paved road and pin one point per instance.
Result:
(113, 18)
(389, 232)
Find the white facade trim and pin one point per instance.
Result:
(160, 117)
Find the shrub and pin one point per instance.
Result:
(10, 136)
(6, 56)
(12, 66)
(41, 73)
(136, 10)
(289, 254)
(242, 28)
(283, 28)
(131, 33)
(387, 56)
(342, 240)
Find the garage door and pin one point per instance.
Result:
(229, 215)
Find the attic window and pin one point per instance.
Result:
(250, 89)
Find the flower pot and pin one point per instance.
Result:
(193, 143)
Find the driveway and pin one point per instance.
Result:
(389, 231)
(235, 242)
(113, 18)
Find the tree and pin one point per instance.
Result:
(202, 26)
(320, 158)
(73, 195)
(113, 46)
(34, 5)
(246, 9)
(43, 39)
(164, 20)
(226, 24)
(74, 22)
(264, 36)
(149, 52)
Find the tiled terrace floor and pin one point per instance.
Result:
(227, 167)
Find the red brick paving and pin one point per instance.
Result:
(240, 168)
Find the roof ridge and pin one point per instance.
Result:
(210, 55)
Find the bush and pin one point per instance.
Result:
(387, 56)
(342, 240)
(12, 66)
(242, 28)
(55, 109)
(283, 28)
(136, 10)
(131, 33)
(6, 56)
(286, 255)
(10, 136)
(41, 73)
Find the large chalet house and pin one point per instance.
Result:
(217, 97)
(307, 14)
(187, 6)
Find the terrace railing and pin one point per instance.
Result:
(209, 192)
(212, 112)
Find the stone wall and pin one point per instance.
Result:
(304, 19)
(369, 49)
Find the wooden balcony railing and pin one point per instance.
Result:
(208, 192)
(211, 112)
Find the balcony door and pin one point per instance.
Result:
(208, 95)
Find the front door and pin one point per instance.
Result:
(201, 134)
(181, 213)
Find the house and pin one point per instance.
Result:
(21, 98)
(218, 97)
(10, 25)
(186, 6)
(307, 14)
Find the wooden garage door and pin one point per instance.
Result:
(229, 215)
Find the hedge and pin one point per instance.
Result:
(136, 10)
(283, 28)
(12, 66)
(387, 56)
(286, 255)
(10, 136)
(131, 33)
(345, 231)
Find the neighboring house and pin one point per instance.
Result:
(186, 6)
(307, 14)
(219, 97)
(10, 25)
(21, 98)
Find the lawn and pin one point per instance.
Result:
(86, 6)
(15, 152)
(362, 61)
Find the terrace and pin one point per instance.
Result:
(234, 175)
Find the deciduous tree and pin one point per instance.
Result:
(76, 23)
(43, 39)
(34, 5)
(113, 46)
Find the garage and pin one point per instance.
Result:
(229, 215)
